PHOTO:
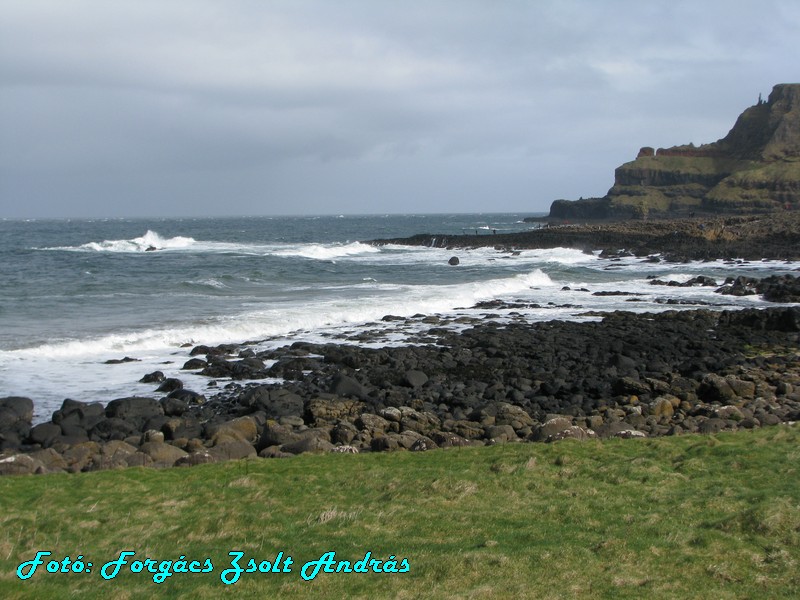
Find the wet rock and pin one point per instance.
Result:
(154, 377)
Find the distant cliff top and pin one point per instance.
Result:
(755, 168)
(769, 130)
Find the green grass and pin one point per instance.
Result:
(699, 517)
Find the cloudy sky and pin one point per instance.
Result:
(245, 107)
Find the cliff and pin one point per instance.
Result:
(755, 168)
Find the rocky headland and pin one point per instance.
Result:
(755, 168)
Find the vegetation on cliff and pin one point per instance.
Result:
(755, 168)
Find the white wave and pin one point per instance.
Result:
(363, 303)
(211, 282)
(327, 251)
(150, 241)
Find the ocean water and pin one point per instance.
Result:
(77, 293)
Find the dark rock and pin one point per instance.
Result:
(45, 434)
(134, 409)
(187, 396)
(113, 429)
(185, 426)
(453, 261)
(154, 377)
(120, 361)
(20, 407)
(173, 407)
(170, 385)
(415, 379)
(194, 363)
(343, 385)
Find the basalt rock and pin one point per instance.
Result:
(627, 374)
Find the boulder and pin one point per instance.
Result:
(321, 411)
(374, 424)
(500, 434)
(574, 432)
(242, 428)
(549, 428)
(162, 454)
(154, 377)
(187, 396)
(275, 434)
(231, 449)
(344, 385)
(309, 443)
(81, 457)
(19, 464)
(202, 457)
(21, 408)
(170, 385)
(275, 402)
(414, 378)
(135, 411)
(45, 434)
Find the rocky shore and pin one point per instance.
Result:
(484, 382)
(773, 236)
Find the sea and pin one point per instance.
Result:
(77, 294)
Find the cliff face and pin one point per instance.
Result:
(756, 167)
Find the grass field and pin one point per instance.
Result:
(682, 517)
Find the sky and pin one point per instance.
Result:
(166, 108)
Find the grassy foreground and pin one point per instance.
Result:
(693, 516)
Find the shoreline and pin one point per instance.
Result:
(772, 236)
(626, 375)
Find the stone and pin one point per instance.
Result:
(414, 378)
(275, 434)
(312, 444)
(325, 411)
(154, 377)
(663, 407)
(134, 410)
(573, 432)
(162, 454)
(344, 385)
(550, 428)
(232, 449)
(242, 428)
(202, 457)
(45, 434)
(170, 385)
(19, 406)
(500, 434)
(372, 423)
(19, 464)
